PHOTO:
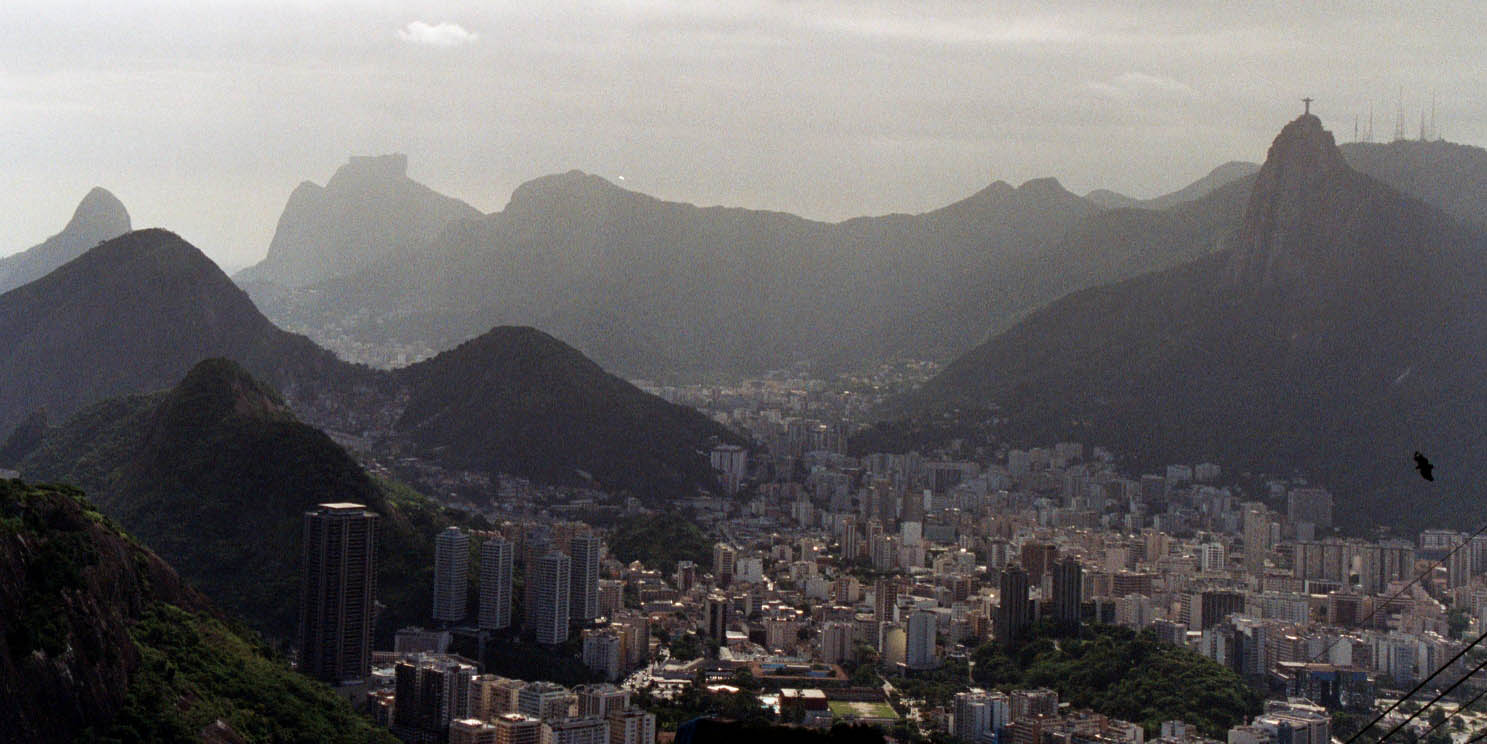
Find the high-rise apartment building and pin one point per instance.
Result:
(547, 701)
(584, 550)
(977, 715)
(723, 557)
(552, 581)
(885, 597)
(717, 617)
(576, 731)
(1014, 614)
(836, 642)
(1068, 586)
(338, 590)
(920, 649)
(432, 690)
(601, 700)
(451, 574)
(496, 556)
(603, 652)
(515, 728)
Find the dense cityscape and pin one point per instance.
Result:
(736, 373)
(827, 589)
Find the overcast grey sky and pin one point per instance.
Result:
(202, 116)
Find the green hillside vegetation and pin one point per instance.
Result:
(104, 642)
(1128, 675)
(520, 401)
(660, 541)
(216, 475)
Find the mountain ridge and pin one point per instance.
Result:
(99, 216)
(136, 314)
(580, 257)
(1319, 337)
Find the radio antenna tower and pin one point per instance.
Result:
(1399, 117)
(1435, 134)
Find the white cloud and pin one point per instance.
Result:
(444, 34)
(1139, 85)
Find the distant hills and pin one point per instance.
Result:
(670, 291)
(100, 216)
(663, 289)
(134, 314)
(1335, 332)
(367, 211)
(1451, 177)
(103, 641)
(1218, 177)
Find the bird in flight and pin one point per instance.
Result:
(1423, 465)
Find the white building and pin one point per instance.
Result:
(601, 653)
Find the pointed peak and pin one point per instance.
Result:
(1303, 147)
(99, 212)
(214, 390)
(1298, 226)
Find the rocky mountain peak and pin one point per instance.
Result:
(1302, 198)
(101, 213)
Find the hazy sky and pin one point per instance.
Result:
(202, 116)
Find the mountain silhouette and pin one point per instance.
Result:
(663, 289)
(1219, 177)
(135, 314)
(1335, 328)
(98, 217)
(369, 210)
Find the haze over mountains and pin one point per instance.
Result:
(1337, 331)
(654, 288)
(666, 290)
(367, 211)
(98, 217)
(1216, 178)
(135, 313)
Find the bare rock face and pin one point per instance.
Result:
(1290, 223)
(368, 211)
(70, 586)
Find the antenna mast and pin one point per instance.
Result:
(1399, 117)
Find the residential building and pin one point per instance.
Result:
(338, 591)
